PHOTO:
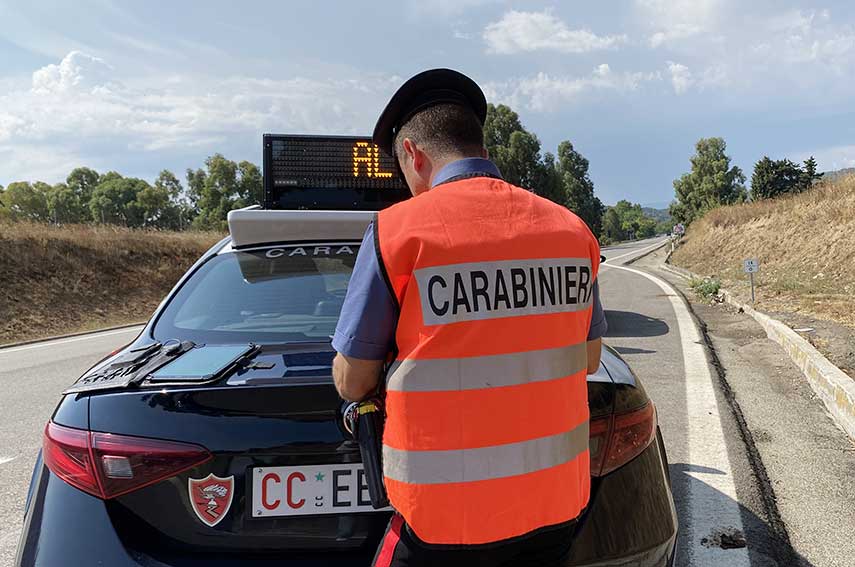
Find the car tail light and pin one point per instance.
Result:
(108, 465)
(617, 439)
(66, 453)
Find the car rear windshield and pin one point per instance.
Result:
(274, 295)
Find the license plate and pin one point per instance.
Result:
(316, 489)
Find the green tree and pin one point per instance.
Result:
(196, 187)
(109, 176)
(711, 183)
(562, 178)
(156, 208)
(548, 182)
(627, 220)
(775, 177)
(163, 204)
(217, 193)
(578, 188)
(772, 178)
(65, 206)
(514, 150)
(810, 175)
(663, 227)
(114, 201)
(167, 182)
(27, 201)
(82, 181)
(500, 123)
(224, 185)
(250, 184)
(612, 230)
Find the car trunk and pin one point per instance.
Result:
(260, 418)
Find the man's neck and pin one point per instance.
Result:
(438, 165)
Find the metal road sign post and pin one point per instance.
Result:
(751, 266)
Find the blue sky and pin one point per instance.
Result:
(141, 86)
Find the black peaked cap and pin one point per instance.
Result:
(428, 88)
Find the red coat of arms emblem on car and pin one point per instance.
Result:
(211, 497)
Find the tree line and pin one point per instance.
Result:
(713, 182)
(561, 177)
(628, 221)
(87, 196)
(209, 193)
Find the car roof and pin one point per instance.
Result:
(254, 226)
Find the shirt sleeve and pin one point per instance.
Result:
(599, 326)
(366, 326)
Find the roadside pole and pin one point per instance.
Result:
(750, 267)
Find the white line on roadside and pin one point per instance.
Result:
(713, 501)
(70, 340)
(4, 460)
(642, 251)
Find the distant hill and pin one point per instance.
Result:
(657, 205)
(659, 215)
(839, 174)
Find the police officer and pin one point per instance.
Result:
(483, 297)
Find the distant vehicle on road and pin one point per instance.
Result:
(216, 437)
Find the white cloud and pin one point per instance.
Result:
(78, 108)
(674, 20)
(797, 37)
(543, 92)
(675, 33)
(831, 158)
(534, 31)
(669, 12)
(77, 71)
(683, 79)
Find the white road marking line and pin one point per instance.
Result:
(642, 251)
(70, 340)
(4, 460)
(713, 501)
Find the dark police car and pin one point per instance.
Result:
(216, 436)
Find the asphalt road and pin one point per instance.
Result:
(714, 472)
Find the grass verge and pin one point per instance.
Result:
(805, 244)
(57, 280)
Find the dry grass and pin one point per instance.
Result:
(805, 244)
(57, 280)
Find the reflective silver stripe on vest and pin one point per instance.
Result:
(474, 291)
(484, 463)
(471, 373)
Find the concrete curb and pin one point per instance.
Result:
(639, 257)
(833, 386)
(69, 335)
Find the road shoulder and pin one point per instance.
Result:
(808, 462)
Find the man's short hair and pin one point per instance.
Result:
(443, 130)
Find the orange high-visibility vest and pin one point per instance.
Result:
(486, 434)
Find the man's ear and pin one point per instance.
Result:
(409, 148)
(485, 153)
(417, 155)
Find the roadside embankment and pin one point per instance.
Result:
(806, 247)
(57, 280)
